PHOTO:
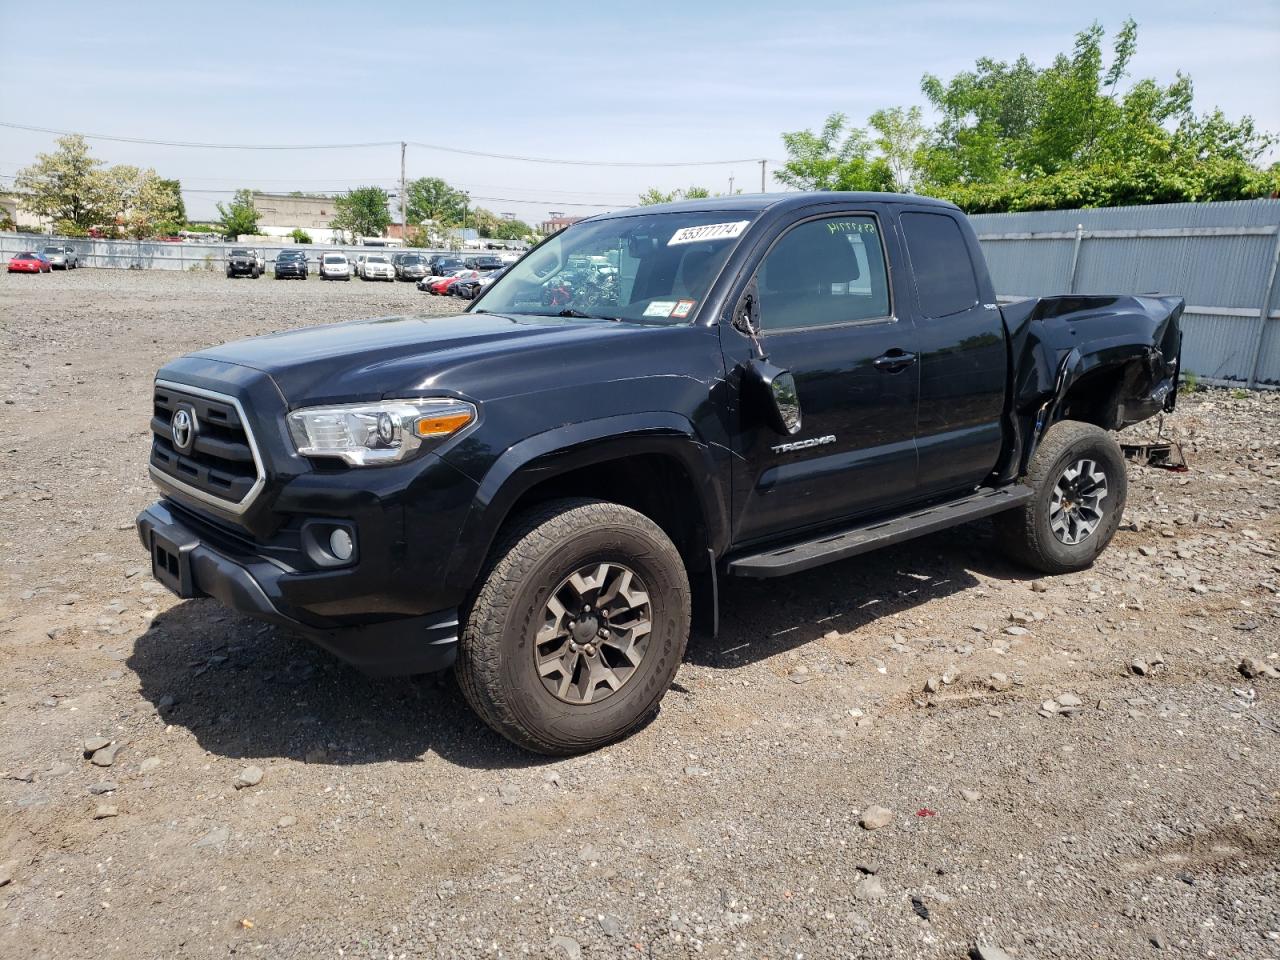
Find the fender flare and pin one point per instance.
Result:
(571, 447)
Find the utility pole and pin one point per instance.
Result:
(762, 163)
(404, 234)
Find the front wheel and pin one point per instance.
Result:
(578, 629)
(1078, 475)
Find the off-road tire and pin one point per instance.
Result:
(1025, 533)
(495, 666)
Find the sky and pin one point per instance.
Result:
(651, 82)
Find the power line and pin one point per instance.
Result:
(535, 201)
(580, 163)
(205, 146)
(378, 143)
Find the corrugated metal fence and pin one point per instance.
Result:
(1221, 257)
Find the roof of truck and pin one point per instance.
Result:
(758, 202)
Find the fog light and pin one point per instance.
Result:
(340, 544)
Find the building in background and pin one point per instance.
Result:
(11, 209)
(279, 214)
(557, 221)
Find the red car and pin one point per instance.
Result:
(29, 262)
(443, 284)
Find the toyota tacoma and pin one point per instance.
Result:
(745, 386)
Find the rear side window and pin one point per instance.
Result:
(823, 273)
(945, 283)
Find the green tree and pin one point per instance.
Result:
(239, 216)
(174, 188)
(654, 195)
(148, 204)
(430, 198)
(839, 157)
(1019, 137)
(67, 187)
(512, 230)
(300, 236)
(900, 137)
(362, 212)
(491, 226)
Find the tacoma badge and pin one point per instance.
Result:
(804, 444)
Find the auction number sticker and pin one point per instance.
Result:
(660, 308)
(711, 231)
(683, 309)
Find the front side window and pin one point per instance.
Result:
(822, 273)
(654, 268)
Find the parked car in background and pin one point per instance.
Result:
(335, 266)
(357, 265)
(468, 288)
(483, 263)
(243, 262)
(441, 285)
(443, 265)
(64, 258)
(291, 263)
(410, 266)
(377, 266)
(28, 261)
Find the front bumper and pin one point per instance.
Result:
(190, 565)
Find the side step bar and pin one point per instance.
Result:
(780, 561)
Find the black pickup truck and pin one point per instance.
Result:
(747, 386)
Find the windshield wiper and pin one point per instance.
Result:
(579, 315)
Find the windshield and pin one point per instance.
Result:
(57, 250)
(334, 258)
(649, 268)
(376, 260)
(241, 253)
(411, 258)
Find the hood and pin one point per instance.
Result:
(470, 354)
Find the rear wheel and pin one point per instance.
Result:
(578, 628)
(1078, 474)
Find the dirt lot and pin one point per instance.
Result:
(389, 823)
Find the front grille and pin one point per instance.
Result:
(222, 466)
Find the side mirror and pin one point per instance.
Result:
(775, 392)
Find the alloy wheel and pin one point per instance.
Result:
(1075, 508)
(594, 635)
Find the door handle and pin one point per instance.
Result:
(895, 360)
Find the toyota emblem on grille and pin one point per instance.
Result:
(184, 427)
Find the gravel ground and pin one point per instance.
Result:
(919, 753)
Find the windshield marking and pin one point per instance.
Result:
(712, 231)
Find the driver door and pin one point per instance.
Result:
(827, 315)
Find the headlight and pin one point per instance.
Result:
(368, 434)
